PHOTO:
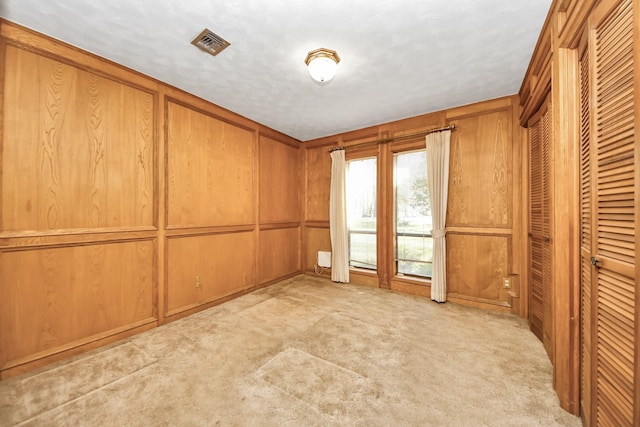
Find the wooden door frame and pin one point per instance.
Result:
(566, 221)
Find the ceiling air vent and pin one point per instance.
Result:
(210, 42)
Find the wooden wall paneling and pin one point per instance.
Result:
(204, 268)
(481, 181)
(279, 254)
(478, 109)
(410, 287)
(318, 183)
(173, 94)
(316, 239)
(302, 188)
(160, 204)
(520, 196)
(24, 38)
(209, 170)
(62, 297)
(78, 149)
(480, 171)
(575, 13)
(257, 196)
(481, 280)
(537, 80)
(97, 139)
(279, 182)
(361, 136)
(489, 134)
(365, 278)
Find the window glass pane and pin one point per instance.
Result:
(414, 245)
(361, 212)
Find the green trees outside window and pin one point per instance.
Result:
(413, 241)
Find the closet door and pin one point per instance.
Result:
(614, 215)
(540, 280)
(536, 309)
(547, 279)
(586, 283)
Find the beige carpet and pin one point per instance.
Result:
(304, 352)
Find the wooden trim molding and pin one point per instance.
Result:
(279, 225)
(43, 358)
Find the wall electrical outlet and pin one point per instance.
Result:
(506, 282)
(198, 282)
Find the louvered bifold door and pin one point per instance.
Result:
(536, 310)
(540, 222)
(613, 250)
(547, 191)
(585, 242)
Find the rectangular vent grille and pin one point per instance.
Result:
(210, 42)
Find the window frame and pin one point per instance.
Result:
(395, 148)
(365, 155)
(396, 259)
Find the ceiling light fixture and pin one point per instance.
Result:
(322, 64)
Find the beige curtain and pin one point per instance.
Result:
(338, 219)
(438, 173)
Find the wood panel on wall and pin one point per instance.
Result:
(279, 182)
(480, 280)
(480, 212)
(78, 212)
(480, 181)
(204, 268)
(279, 253)
(57, 298)
(483, 187)
(317, 182)
(117, 192)
(78, 148)
(209, 170)
(316, 239)
(317, 185)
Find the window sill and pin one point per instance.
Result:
(363, 271)
(412, 280)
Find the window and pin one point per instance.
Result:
(361, 212)
(413, 241)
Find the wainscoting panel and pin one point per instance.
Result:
(57, 298)
(476, 265)
(126, 203)
(205, 268)
(279, 253)
(316, 239)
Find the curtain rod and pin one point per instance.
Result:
(385, 140)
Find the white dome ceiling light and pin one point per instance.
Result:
(322, 64)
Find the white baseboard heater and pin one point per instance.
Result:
(324, 259)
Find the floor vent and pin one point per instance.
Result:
(210, 42)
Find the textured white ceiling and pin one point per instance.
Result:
(400, 58)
